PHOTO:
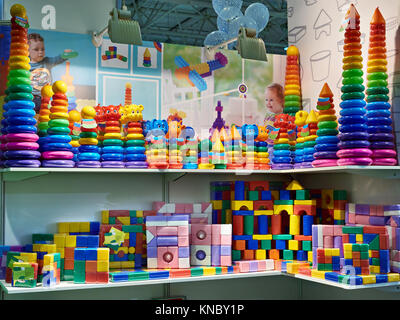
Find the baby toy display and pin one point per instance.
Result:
(117, 136)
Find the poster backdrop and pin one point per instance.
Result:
(156, 76)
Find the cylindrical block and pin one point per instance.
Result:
(307, 225)
(249, 225)
(328, 241)
(262, 224)
(276, 224)
(239, 190)
(294, 224)
(237, 225)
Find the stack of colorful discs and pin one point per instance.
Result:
(75, 119)
(5, 42)
(56, 148)
(157, 153)
(175, 152)
(88, 156)
(128, 94)
(21, 149)
(292, 82)
(302, 131)
(327, 141)
(262, 149)
(282, 156)
(378, 108)
(234, 149)
(112, 155)
(100, 125)
(354, 144)
(189, 154)
(218, 157)
(44, 111)
(249, 135)
(204, 154)
(309, 140)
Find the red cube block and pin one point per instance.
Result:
(91, 277)
(102, 277)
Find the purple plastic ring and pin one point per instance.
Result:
(22, 146)
(22, 163)
(354, 153)
(381, 137)
(324, 163)
(88, 164)
(21, 137)
(57, 155)
(136, 164)
(112, 164)
(281, 166)
(22, 154)
(384, 162)
(354, 162)
(325, 155)
(382, 145)
(305, 165)
(383, 153)
(58, 163)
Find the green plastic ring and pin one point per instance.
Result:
(377, 76)
(290, 104)
(113, 142)
(352, 73)
(292, 98)
(377, 90)
(58, 123)
(353, 95)
(378, 97)
(327, 125)
(133, 143)
(291, 109)
(377, 83)
(309, 144)
(327, 132)
(58, 130)
(43, 125)
(19, 88)
(19, 73)
(88, 135)
(281, 146)
(353, 88)
(262, 149)
(352, 80)
(20, 96)
(19, 81)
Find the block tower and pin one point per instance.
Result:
(292, 82)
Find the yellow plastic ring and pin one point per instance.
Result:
(88, 141)
(59, 115)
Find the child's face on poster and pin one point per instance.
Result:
(272, 101)
(36, 50)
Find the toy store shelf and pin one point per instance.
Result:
(17, 174)
(68, 285)
(342, 285)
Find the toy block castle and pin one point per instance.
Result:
(91, 265)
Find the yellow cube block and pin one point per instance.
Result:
(74, 227)
(216, 204)
(293, 245)
(126, 236)
(310, 256)
(262, 236)
(328, 252)
(104, 216)
(127, 264)
(359, 238)
(318, 274)
(62, 252)
(139, 213)
(374, 269)
(283, 207)
(36, 247)
(348, 254)
(368, 279)
(59, 240)
(240, 205)
(347, 247)
(103, 266)
(339, 214)
(63, 227)
(70, 241)
(208, 271)
(28, 256)
(84, 227)
(103, 254)
(47, 259)
(305, 202)
(116, 264)
(228, 213)
(292, 268)
(263, 212)
(261, 254)
(327, 199)
(275, 194)
(51, 248)
(335, 252)
(393, 277)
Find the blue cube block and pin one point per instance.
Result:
(94, 227)
(217, 195)
(239, 190)
(354, 280)
(92, 241)
(381, 278)
(159, 275)
(138, 261)
(80, 254)
(302, 255)
(266, 195)
(335, 260)
(335, 267)
(252, 244)
(348, 262)
(230, 269)
(333, 276)
(120, 276)
(123, 258)
(357, 270)
(284, 195)
(215, 216)
(132, 239)
(352, 238)
(133, 220)
(280, 244)
(284, 266)
(91, 254)
(81, 241)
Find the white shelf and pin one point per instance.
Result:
(69, 285)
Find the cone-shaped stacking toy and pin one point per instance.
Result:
(249, 135)
(56, 148)
(218, 156)
(134, 141)
(234, 149)
(44, 111)
(262, 149)
(112, 155)
(292, 82)
(354, 145)
(302, 131)
(189, 153)
(21, 149)
(309, 140)
(282, 155)
(128, 94)
(75, 120)
(327, 141)
(378, 108)
(88, 156)
(147, 58)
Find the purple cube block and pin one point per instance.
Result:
(253, 266)
(226, 250)
(165, 241)
(362, 209)
(152, 242)
(314, 235)
(151, 252)
(215, 255)
(183, 252)
(378, 221)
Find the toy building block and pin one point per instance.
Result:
(42, 250)
(79, 228)
(51, 269)
(91, 265)
(14, 257)
(256, 265)
(3, 257)
(24, 274)
(221, 244)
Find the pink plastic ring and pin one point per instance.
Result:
(62, 155)
(21, 137)
(354, 162)
(22, 146)
(384, 162)
(324, 163)
(383, 153)
(354, 153)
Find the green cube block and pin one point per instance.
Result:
(287, 254)
(374, 244)
(356, 247)
(218, 270)
(223, 216)
(283, 202)
(132, 213)
(252, 195)
(328, 267)
(138, 275)
(226, 204)
(307, 245)
(236, 255)
(266, 244)
(131, 257)
(321, 267)
(282, 237)
(339, 195)
(302, 195)
(352, 229)
(40, 237)
(111, 220)
(375, 262)
(140, 220)
(364, 255)
(364, 247)
(79, 277)
(195, 272)
(133, 228)
(79, 266)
